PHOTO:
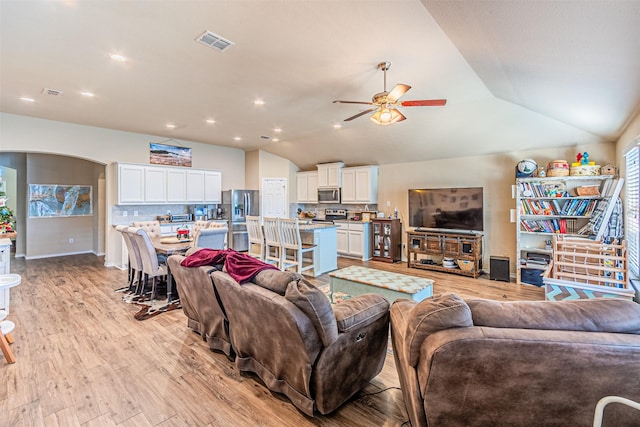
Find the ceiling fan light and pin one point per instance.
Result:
(385, 115)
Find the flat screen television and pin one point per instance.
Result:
(446, 208)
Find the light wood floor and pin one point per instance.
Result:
(82, 360)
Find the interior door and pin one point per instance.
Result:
(274, 198)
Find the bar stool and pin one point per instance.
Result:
(256, 237)
(272, 248)
(293, 250)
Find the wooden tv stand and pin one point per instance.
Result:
(426, 249)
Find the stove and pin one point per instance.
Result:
(334, 214)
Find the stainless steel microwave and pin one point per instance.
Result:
(328, 195)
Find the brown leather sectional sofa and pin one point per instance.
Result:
(540, 363)
(284, 330)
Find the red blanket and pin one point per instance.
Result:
(240, 266)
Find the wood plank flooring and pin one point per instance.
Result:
(82, 359)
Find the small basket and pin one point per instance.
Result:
(591, 190)
(465, 265)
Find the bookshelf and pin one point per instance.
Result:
(556, 205)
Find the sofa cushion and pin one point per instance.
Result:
(432, 315)
(594, 315)
(314, 303)
(275, 280)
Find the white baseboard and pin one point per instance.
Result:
(59, 254)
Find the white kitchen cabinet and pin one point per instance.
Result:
(130, 184)
(354, 239)
(360, 184)
(150, 184)
(195, 186)
(155, 185)
(307, 187)
(343, 240)
(176, 186)
(212, 187)
(329, 174)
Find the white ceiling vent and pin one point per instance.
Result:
(52, 92)
(214, 41)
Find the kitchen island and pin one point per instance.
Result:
(324, 236)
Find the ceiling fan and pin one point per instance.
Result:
(384, 103)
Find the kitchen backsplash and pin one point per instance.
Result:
(318, 209)
(145, 212)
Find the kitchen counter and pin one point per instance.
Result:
(324, 236)
(316, 226)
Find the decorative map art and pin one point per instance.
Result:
(47, 200)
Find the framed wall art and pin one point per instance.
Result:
(47, 200)
(170, 155)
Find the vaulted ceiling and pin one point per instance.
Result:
(517, 75)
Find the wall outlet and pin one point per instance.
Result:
(135, 213)
(71, 240)
(388, 203)
(125, 213)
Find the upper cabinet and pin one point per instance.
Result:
(213, 187)
(329, 174)
(360, 184)
(146, 184)
(130, 184)
(307, 187)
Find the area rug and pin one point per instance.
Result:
(150, 308)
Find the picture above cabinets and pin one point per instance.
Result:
(145, 184)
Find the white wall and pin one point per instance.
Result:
(105, 146)
(495, 173)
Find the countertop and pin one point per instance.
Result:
(316, 226)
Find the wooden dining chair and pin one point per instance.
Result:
(256, 237)
(294, 252)
(272, 248)
(6, 327)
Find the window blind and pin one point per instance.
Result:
(632, 201)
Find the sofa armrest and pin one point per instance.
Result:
(360, 311)
(431, 315)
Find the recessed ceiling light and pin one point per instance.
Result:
(88, 94)
(275, 139)
(277, 130)
(337, 126)
(237, 138)
(170, 126)
(211, 121)
(258, 102)
(118, 57)
(27, 99)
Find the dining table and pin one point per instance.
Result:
(169, 246)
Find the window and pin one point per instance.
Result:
(632, 201)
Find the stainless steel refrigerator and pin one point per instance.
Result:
(237, 204)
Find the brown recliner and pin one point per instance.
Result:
(200, 305)
(527, 363)
(284, 330)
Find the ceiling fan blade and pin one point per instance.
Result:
(401, 116)
(353, 102)
(424, 103)
(397, 92)
(362, 113)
